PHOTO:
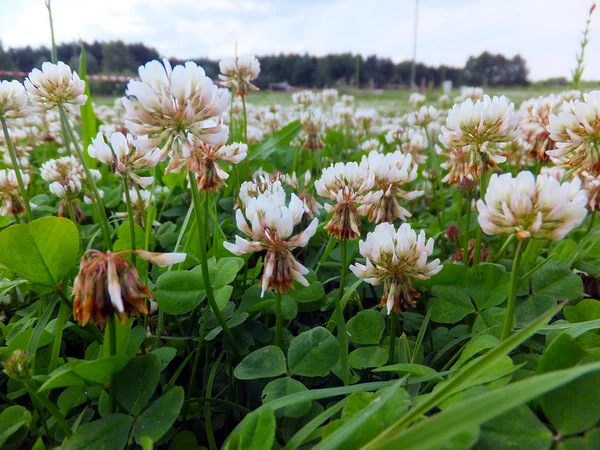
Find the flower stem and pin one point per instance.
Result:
(393, 333)
(15, 163)
(342, 335)
(504, 247)
(479, 236)
(90, 179)
(245, 121)
(278, 319)
(112, 395)
(201, 210)
(130, 217)
(512, 296)
(51, 407)
(591, 225)
(466, 231)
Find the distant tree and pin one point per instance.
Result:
(117, 58)
(6, 61)
(495, 70)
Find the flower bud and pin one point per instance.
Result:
(18, 366)
(467, 188)
(452, 233)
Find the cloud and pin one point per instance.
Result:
(546, 33)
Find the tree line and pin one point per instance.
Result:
(117, 57)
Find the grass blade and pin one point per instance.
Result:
(303, 433)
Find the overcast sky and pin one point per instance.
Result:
(545, 32)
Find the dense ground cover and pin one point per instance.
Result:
(187, 267)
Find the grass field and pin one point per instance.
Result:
(393, 101)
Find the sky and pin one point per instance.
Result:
(545, 32)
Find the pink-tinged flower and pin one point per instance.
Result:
(55, 85)
(591, 186)
(576, 131)
(482, 126)
(269, 226)
(238, 73)
(458, 163)
(12, 202)
(311, 205)
(395, 257)
(13, 100)
(203, 160)
(168, 103)
(124, 156)
(109, 283)
(537, 207)
(393, 172)
(350, 187)
(535, 117)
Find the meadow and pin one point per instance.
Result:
(202, 265)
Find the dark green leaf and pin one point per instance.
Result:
(266, 362)
(487, 284)
(451, 305)
(179, 291)
(368, 357)
(280, 388)
(136, 383)
(313, 353)
(366, 327)
(109, 433)
(160, 416)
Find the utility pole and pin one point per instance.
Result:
(414, 58)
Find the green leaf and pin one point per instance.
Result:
(366, 327)
(487, 284)
(137, 381)
(586, 310)
(306, 294)
(532, 307)
(109, 433)
(308, 429)
(165, 355)
(258, 430)
(179, 291)
(313, 353)
(14, 425)
(435, 430)
(252, 300)
(574, 407)
(464, 378)
(280, 388)
(276, 141)
(367, 357)
(160, 416)
(83, 373)
(266, 362)
(475, 346)
(226, 271)
(416, 370)
(558, 281)
(451, 274)
(346, 432)
(42, 251)
(514, 430)
(490, 321)
(89, 122)
(451, 305)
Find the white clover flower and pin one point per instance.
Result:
(304, 99)
(168, 103)
(329, 96)
(468, 92)
(203, 160)
(413, 141)
(395, 256)
(347, 100)
(343, 115)
(13, 100)
(66, 191)
(123, 158)
(350, 187)
(591, 186)
(371, 145)
(262, 185)
(55, 85)
(416, 100)
(482, 125)
(311, 205)
(10, 195)
(271, 226)
(365, 119)
(313, 122)
(423, 117)
(458, 163)
(539, 207)
(238, 73)
(392, 172)
(444, 101)
(576, 131)
(535, 116)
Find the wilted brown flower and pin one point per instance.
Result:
(109, 283)
(458, 255)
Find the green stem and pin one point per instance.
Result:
(504, 247)
(393, 333)
(245, 121)
(591, 225)
(466, 230)
(212, 444)
(512, 297)
(192, 383)
(342, 335)
(278, 319)
(15, 163)
(482, 190)
(63, 314)
(130, 217)
(90, 179)
(53, 52)
(201, 210)
(112, 330)
(51, 407)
